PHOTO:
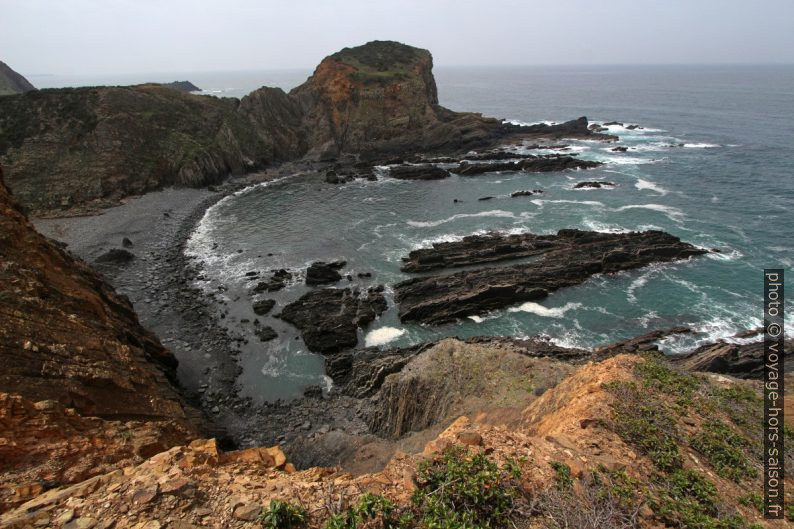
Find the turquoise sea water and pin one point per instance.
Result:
(731, 187)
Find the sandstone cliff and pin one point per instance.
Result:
(11, 82)
(83, 385)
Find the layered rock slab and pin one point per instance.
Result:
(566, 259)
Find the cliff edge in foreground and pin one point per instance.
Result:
(83, 386)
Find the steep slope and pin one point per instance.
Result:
(574, 460)
(381, 98)
(69, 147)
(83, 384)
(11, 82)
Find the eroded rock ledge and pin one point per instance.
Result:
(562, 260)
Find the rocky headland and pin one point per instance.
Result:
(484, 432)
(91, 147)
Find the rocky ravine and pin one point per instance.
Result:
(555, 261)
(83, 386)
(90, 147)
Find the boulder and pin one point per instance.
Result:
(328, 318)
(263, 306)
(320, 273)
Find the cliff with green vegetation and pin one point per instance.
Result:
(81, 149)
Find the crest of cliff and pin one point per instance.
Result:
(12, 82)
(86, 148)
(83, 386)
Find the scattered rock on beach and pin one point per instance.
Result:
(276, 282)
(263, 306)
(116, 256)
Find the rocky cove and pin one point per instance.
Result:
(228, 276)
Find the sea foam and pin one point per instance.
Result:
(382, 336)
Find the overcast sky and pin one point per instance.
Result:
(131, 36)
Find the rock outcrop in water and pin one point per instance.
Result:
(11, 82)
(562, 260)
(86, 148)
(329, 318)
(82, 386)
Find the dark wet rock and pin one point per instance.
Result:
(575, 128)
(535, 164)
(633, 127)
(637, 344)
(613, 123)
(320, 273)
(526, 193)
(328, 318)
(360, 373)
(332, 177)
(620, 148)
(276, 282)
(263, 306)
(595, 127)
(505, 155)
(562, 260)
(265, 333)
(482, 199)
(738, 360)
(595, 184)
(125, 242)
(115, 256)
(364, 274)
(418, 172)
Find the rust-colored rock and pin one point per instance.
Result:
(83, 385)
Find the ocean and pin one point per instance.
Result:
(711, 164)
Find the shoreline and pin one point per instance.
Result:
(159, 283)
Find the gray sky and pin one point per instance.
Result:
(130, 36)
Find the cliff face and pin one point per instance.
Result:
(11, 82)
(381, 99)
(68, 147)
(86, 148)
(81, 379)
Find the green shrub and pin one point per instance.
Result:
(725, 450)
(457, 490)
(562, 476)
(642, 420)
(282, 515)
(756, 500)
